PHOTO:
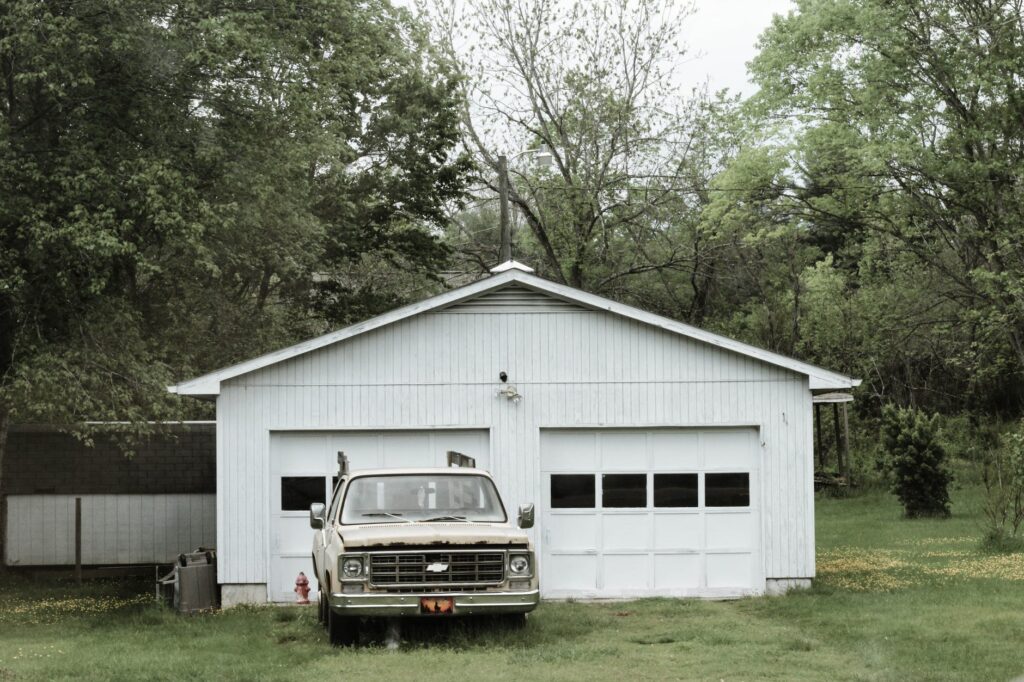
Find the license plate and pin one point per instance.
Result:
(437, 606)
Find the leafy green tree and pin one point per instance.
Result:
(750, 211)
(915, 460)
(607, 160)
(189, 183)
(906, 160)
(1003, 478)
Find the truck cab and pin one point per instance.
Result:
(425, 542)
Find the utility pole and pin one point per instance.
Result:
(506, 227)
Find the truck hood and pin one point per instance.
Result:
(378, 536)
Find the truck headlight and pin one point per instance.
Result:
(519, 564)
(352, 567)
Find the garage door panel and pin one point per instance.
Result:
(669, 541)
(407, 450)
(728, 448)
(309, 453)
(626, 572)
(623, 451)
(576, 572)
(675, 451)
(727, 531)
(625, 531)
(572, 532)
(570, 451)
(294, 535)
(729, 570)
(678, 531)
(363, 451)
(283, 581)
(678, 571)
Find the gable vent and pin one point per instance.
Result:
(514, 300)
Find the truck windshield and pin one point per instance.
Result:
(422, 498)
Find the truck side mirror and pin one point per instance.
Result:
(317, 512)
(526, 516)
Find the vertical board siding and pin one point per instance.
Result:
(572, 367)
(116, 529)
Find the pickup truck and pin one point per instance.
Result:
(428, 543)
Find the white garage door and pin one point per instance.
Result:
(302, 470)
(631, 513)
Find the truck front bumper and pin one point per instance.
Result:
(408, 604)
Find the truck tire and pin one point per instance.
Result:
(342, 630)
(321, 605)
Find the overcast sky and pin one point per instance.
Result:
(721, 36)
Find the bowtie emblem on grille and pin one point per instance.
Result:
(437, 567)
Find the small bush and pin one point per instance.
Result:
(998, 541)
(915, 462)
(1003, 477)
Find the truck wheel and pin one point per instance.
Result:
(342, 630)
(321, 605)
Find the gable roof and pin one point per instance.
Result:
(514, 273)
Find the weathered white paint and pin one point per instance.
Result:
(236, 595)
(116, 529)
(777, 586)
(651, 551)
(211, 384)
(511, 265)
(574, 368)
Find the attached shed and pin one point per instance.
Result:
(663, 459)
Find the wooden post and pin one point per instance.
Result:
(506, 226)
(78, 540)
(846, 447)
(817, 433)
(839, 450)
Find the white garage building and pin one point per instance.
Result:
(663, 459)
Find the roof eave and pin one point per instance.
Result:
(206, 389)
(834, 383)
(209, 385)
(819, 377)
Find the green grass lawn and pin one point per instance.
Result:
(895, 600)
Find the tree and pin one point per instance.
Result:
(762, 244)
(923, 186)
(618, 159)
(190, 183)
(1003, 479)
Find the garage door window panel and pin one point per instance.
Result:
(298, 492)
(573, 491)
(623, 491)
(676, 490)
(727, 490)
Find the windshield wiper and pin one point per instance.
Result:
(394, 516)
(446, 518)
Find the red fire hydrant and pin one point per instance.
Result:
(302, 588)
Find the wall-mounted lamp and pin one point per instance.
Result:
(510, 393)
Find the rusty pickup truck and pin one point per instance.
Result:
(425, 543)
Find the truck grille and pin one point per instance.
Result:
(402, 570)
